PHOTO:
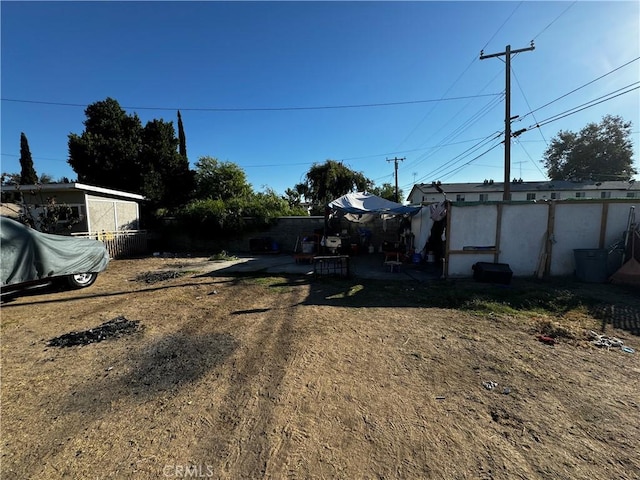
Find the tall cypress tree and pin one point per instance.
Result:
(183, 142)
(28, 174)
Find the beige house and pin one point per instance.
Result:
(99, 209)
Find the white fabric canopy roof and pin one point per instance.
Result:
(361, 203)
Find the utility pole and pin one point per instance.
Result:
(507, 112)
(395, 161)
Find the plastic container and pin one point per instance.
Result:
(591, 264)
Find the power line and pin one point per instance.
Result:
(458, 169)
(584, 106)
(456, 132)
(473, 60)
(500, 27)
(265, 109)
(527, 102)
(554, 20)
(578, 88)
(532, 160)
(461, 156)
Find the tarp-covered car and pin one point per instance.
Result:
(29, 257)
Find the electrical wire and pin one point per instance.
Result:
(500, 27)
(473, 60)
(461, 156)
(447, 175)
(535, 164)
(578, 88)
(527, 102)
(554, 20)
(467, 124)
(589, 104)
(265, 109)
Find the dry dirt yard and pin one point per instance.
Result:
(273, 377)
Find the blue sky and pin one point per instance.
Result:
(248, 78)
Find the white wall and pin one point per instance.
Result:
(577, 224)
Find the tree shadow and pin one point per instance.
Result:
(11, 297)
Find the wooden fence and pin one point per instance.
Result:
(120, 244)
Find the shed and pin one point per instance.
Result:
(99, 209)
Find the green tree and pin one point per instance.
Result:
(28, 174)
(327, 181)
(10, 178)
(220, 180)
(166, 178)
(600, 151)
(181, 137)
(45, 178)
(293, 197)
(107, 152)
(387, 191)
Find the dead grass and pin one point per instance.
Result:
(278, 377)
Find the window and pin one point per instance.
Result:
(581, 194)
(484, 197)
(460, 197)
(531, 196)
(631, 195)
(605, 194)
(555, 196)
(75, 214)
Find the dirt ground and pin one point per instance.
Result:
(274, 377)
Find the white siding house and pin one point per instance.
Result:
(490, 191)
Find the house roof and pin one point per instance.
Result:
(554, 185)
(69, 187)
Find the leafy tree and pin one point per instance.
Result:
(220, 180)
(10, 179)
(598, 152)
(28, 175)
(107, 152)
(330, 180)
(166, 178)
(45, 178)
(387, 191)
(293, 197)
(181, 137)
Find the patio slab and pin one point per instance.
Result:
(370, 266)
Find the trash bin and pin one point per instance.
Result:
(591, 264)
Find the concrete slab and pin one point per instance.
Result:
(369, 266)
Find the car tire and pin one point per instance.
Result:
(81, 280)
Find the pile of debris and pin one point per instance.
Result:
(155, 277)
(114, 328)
(604, 341)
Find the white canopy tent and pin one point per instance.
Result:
(362, 207)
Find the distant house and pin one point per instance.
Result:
(489, 191)
(99, 209)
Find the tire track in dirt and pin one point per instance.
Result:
(247, 410)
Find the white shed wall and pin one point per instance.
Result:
(576, 224)
(522, 236)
